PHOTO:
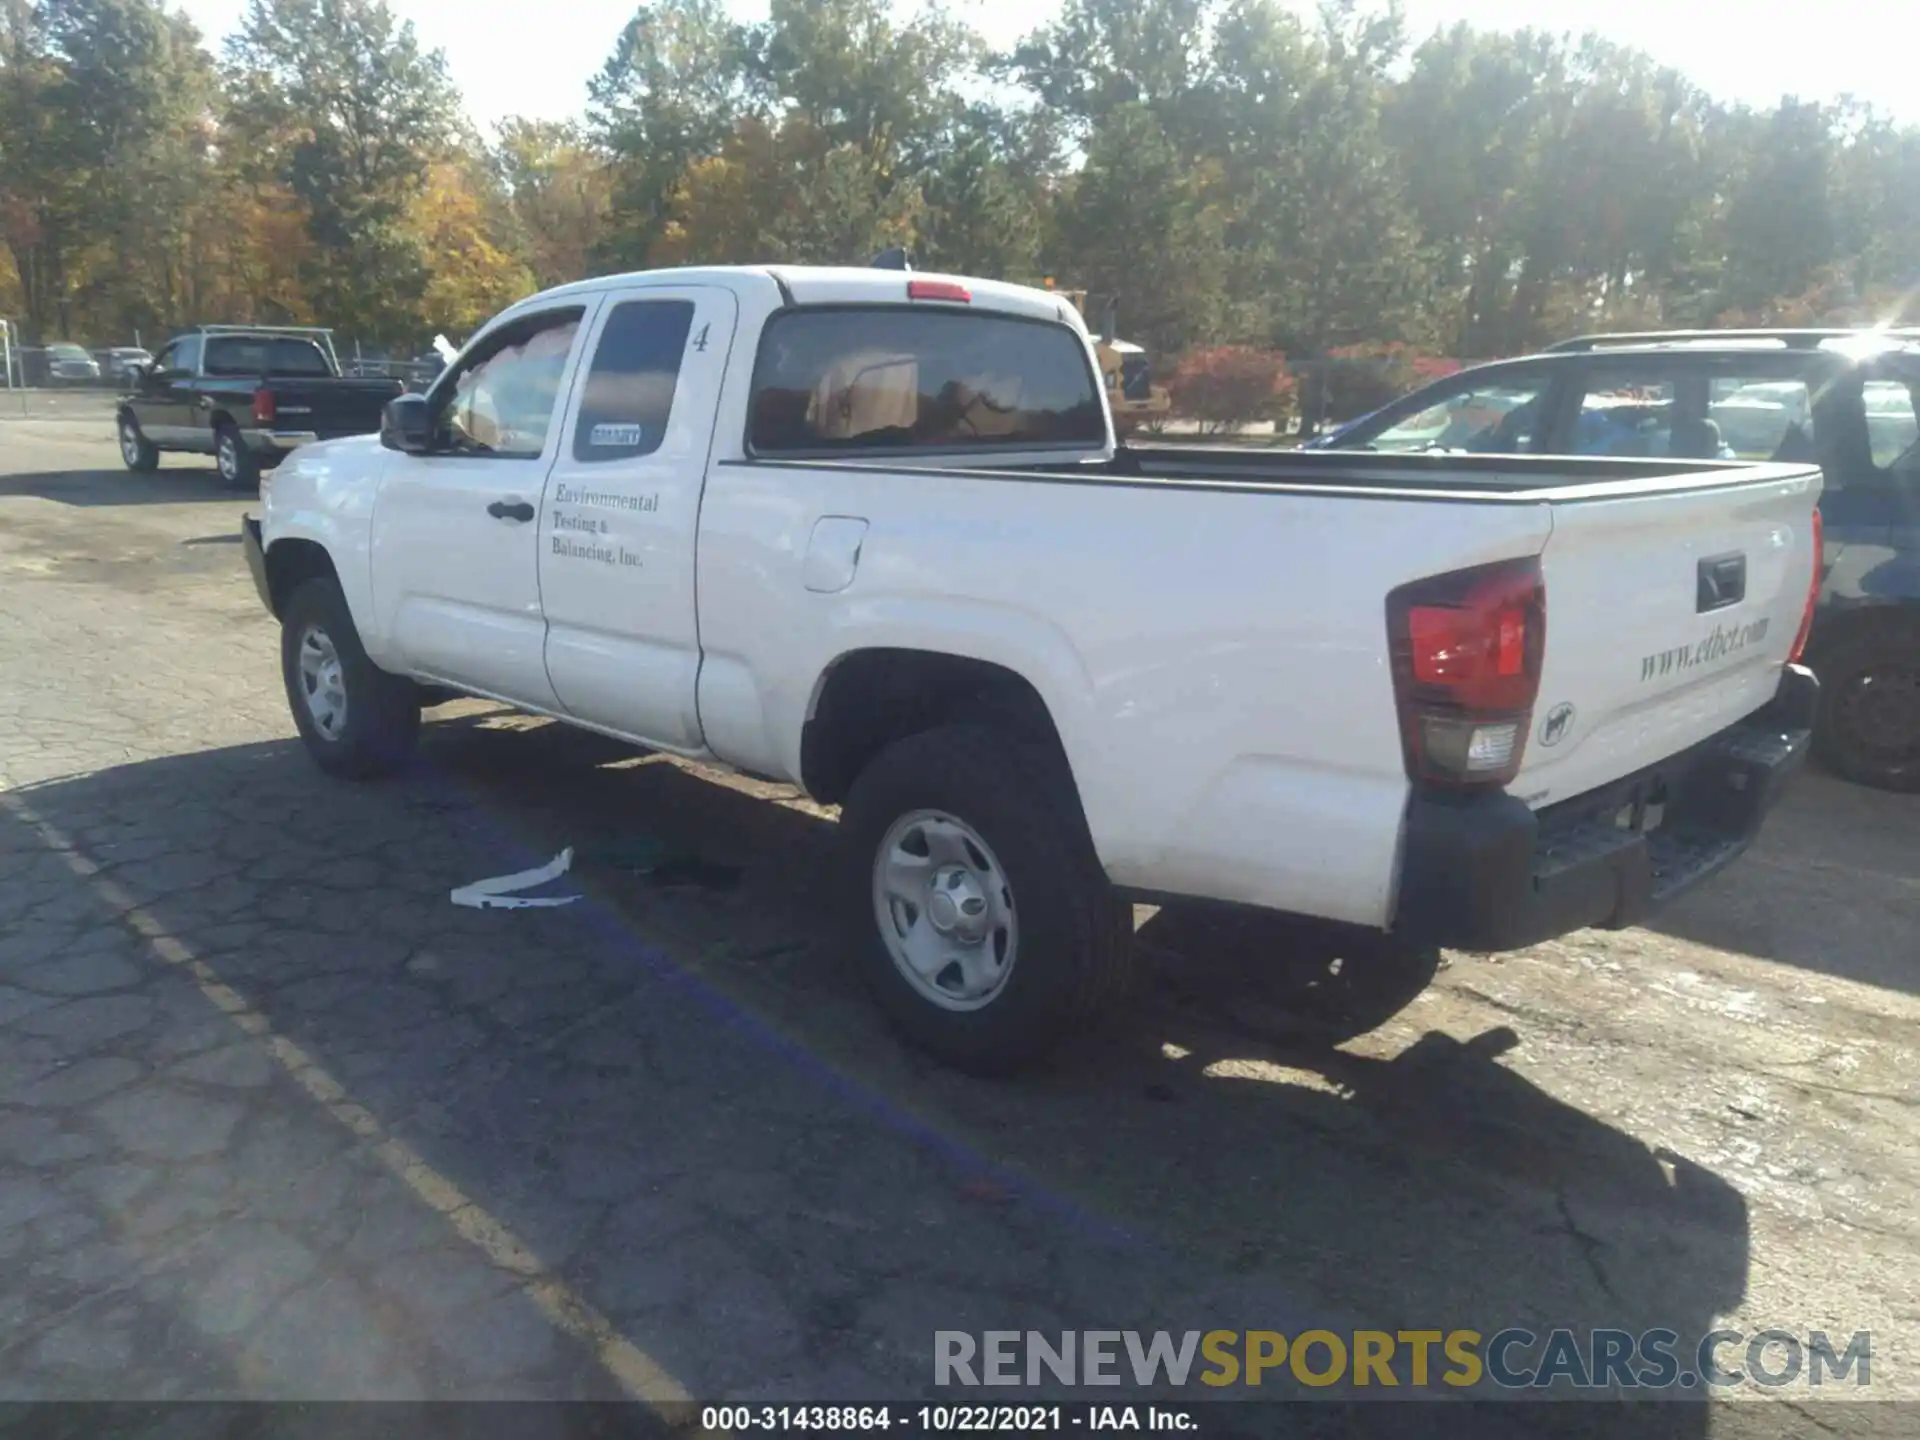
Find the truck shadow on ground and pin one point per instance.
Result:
(180, 481)
(1841, 893)
(674, 1093)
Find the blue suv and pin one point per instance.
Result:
(1844, 398)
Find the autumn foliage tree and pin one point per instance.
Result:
(1239, 173)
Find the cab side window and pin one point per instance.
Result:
(501, 400)
(182, 356)
(628, 392)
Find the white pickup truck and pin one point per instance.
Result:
(869, 531)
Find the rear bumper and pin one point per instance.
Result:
(1487, 873)
(256, 554)
(268, 442)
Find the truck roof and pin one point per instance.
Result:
(836, 285)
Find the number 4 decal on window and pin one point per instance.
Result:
(700, 340)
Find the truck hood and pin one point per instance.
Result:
(342, 448)
(349, 459)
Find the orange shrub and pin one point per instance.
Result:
(1231, 385)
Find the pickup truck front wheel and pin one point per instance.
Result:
(357, 721)
(985, 926)
(136, 450)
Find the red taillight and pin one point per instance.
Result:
(939, 290)
(263, 407)
(1466, 653)
(1813, 589)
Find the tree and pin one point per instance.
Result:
(984, 200)
(1102, 55)
(681, 77)
(1139, 222)
(1324, 251)
(559, 193)
(1236, 171)
(99, 104)
(471, 270)
(346, 108)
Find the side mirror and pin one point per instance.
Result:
(407, 424)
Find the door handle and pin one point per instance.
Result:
(516, 510)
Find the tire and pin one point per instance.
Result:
(1290, 977)
(136, 450)
(237, 464)
(376, 720)
(1046, 955)
(1869, 728)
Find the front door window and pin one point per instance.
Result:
(501, 401)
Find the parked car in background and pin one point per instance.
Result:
(122, 364)
(245, 395)
(69, 364)
(1847, 398)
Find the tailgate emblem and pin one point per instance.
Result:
(1559, 721)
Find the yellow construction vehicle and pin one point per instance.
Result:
(1123, 365)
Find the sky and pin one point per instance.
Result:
(519, 57)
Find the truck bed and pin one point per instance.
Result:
(1440, 475)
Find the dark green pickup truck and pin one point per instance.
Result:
(246, 396)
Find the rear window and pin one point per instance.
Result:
(907, 379)
(264, 355)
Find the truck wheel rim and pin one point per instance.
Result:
(323, 685)
(129, 443)
(945, 910)
(229, 459)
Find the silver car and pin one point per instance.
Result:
(68, 364)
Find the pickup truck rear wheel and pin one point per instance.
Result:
(233, 459)
(357, 720)
(139, 452)
(984, 925)
(1869, 729)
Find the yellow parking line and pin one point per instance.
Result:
(632, 1368)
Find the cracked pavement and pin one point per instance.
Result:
(279, 1121)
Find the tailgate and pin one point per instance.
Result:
(332, 408)
(1669, 616)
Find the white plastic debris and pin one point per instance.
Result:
(498, 893)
